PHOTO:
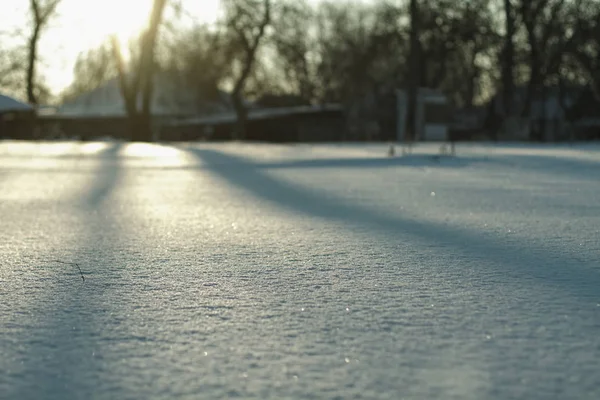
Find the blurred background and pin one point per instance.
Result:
(300, 70)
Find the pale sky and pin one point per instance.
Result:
(84, 24)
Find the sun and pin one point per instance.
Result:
(82, 25)
(101, 19)
(96, 21)
(129, 21)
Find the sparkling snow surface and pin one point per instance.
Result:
(299, 272)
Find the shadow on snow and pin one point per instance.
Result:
(578, 279)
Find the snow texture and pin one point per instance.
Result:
(299, 272)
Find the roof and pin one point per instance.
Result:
(427, 94)
(169, 99)
(8, 104)
(258, 114)
(549, 106)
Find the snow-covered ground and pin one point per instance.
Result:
(299, 272)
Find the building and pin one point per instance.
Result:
(101, 112)
(432, 115)
(380, 115)
(17, 119)
(323, 123)
(468, 124)
(584, 117)
(556, 114)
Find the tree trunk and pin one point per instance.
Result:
(239, 130)
(140, 127)
(440, 76)
(566, 110)
(33, 43)
(145, 115)
(595, 79)
(535, 80)
(413, 84)
(140, 121)
(473, 76)
(543, 114)
(250, 47)
(508, 59)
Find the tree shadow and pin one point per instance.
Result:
(69, 313)
(417, 161)
(547, 164)
(573, 276)
(555, 165)
(537, 163)
(107, 175)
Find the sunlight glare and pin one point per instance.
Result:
(82, 25)
(159, 155)
(125, 19)
(93, 148)
(54, 149)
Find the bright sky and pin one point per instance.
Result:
(84, 24)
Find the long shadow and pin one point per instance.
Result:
(106, 177)
(538, 163)
(104, 180)
(552, 165)
(565, 273)
(547, 164)
(431, 161)
(59, 361)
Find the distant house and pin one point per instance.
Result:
(170, 99)
(553, 115)
(17, 119)
(584, 117)
(380, 115)
(280, 100)
(283, 124)
(371, 115)
(433, 115)
(101, 112)
(468, 124)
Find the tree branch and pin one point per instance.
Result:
(252, 48)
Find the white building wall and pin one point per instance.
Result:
(435, 132)
(425, 130)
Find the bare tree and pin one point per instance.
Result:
(248, 28)
(540, 18)
(586, 47)
(294, 46)
(19, 61)
(198, 60)
(455, 39)
(92, 69)
(41, 12)
(138, 80)
(11, 68)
